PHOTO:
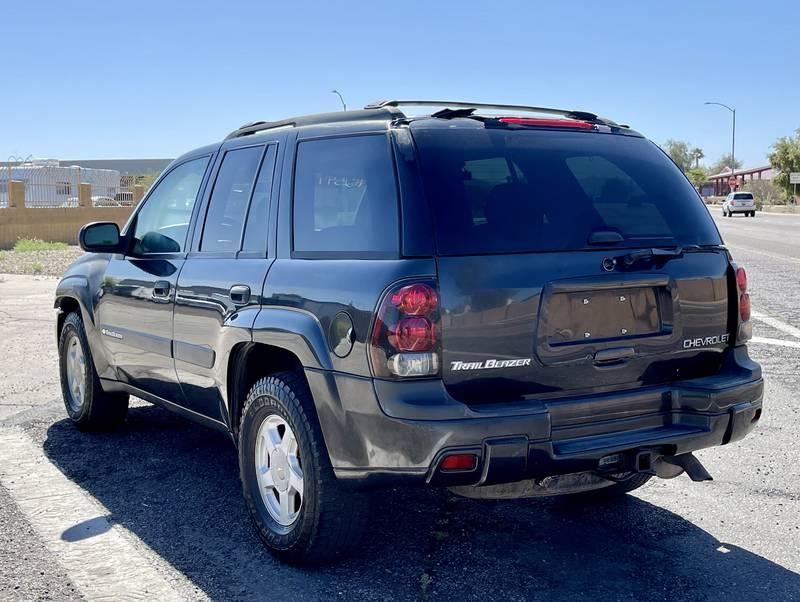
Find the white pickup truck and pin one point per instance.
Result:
(739, 202)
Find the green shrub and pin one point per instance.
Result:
(765, 193)
(26, 245)
(37, 268)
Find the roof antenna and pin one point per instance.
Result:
(344, 106)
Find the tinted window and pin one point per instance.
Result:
(345, 197)
(255, 234)
(229, 200)
(501, 191)
(743, 196)
(163, 222)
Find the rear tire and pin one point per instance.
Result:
(323, 519)
(88, 406)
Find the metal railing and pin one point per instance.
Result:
(48, 185)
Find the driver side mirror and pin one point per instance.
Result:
(100, 237)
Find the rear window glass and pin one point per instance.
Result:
(501, 191)
(743, 196)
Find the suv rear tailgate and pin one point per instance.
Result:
(569, 261)
(555, 324)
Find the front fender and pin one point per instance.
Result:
(75, 288)
(81, 285)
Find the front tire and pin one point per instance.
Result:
(88, 406)
(302, 513)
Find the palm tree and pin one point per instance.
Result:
(697, 154)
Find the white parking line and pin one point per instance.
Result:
(775, 323)
(102, 559)
(776, 342)
(734, 247)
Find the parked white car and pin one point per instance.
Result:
(739, 202)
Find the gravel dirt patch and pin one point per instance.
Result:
(44, 263)
(27, 569)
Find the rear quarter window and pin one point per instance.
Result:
(345, 197)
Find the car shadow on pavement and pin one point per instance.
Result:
(175, 486)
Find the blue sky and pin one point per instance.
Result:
(153, 79)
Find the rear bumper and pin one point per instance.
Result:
(380, 430)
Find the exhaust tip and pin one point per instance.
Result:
(689, 463)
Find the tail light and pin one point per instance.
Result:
(405, 338)
(741, 280)
(745, 331)
(538, 121)
(744, 307)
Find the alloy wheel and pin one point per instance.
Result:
(278, 470)
(76, 373)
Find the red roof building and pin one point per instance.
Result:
(721, 181)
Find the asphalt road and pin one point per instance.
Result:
(170, 490)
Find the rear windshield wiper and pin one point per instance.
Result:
(654, 254)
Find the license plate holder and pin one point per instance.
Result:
(579, 317)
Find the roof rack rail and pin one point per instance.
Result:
(584, 115)
(388, 112)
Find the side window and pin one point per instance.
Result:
(229, 200)
(255, 232)
(162, 224)
(345, 197)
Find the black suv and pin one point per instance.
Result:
(505, 305)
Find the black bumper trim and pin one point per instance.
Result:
(366, 441)
(501, 463)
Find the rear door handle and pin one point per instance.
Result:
(611, 356)
(161, 288)
(240, 294)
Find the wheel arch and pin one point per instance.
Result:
(66, 305)
(248, 362)
(73, 295)
(282, 339)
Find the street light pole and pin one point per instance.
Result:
(733, 136)
(344, 106)
(733, 143)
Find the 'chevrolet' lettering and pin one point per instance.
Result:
(706, 341)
